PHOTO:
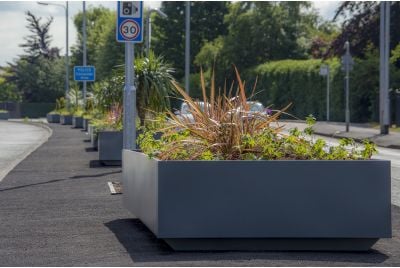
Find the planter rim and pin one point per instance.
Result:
(262, 160)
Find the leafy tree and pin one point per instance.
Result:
(38, 75)
(38, 42)
(361, 26)
(168, 37)
(8, 91)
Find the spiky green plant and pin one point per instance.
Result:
(154, 85)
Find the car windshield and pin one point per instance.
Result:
(186, 110)
(256, 107)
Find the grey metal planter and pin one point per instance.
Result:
(93, 136)
(86, 124)
(4, 115)
(77, 121)
(110, 147)
(53, 118)
(260, 205)
(66, 119)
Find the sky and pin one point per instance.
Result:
(13, 22)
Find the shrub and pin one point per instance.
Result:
(226, 129)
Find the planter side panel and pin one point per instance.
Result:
(110, 145)
(139, 174)
(267, 199)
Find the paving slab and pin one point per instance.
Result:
(56, 210)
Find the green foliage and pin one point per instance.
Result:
(168, 36)
(108, 92)
(227, 130)
(112, 120)
(8, 91)
(299, 82)
(154, 85)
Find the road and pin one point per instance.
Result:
(17, 141)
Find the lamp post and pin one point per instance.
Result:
(84, 61)
(187, 47)
(384, 113)
(66, 43)
(148, 37)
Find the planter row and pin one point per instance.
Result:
(107, 143)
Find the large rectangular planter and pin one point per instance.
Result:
(110, 147)
(4, 115)
(260, 205)
(93, 137)
(77, 121)
(86, 124)
(53, 118)
(66, 119)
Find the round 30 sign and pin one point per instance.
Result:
(129, 29)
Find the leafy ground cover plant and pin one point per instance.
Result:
(226, 129)
(3, 111)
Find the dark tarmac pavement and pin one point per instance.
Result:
(56, 210)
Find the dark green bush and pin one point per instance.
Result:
(299, 82)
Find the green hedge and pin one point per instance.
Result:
(36, 110)
(299, 82)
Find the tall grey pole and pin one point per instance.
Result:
(66, 53)
(327, 94)
(187, 47)
(148, 34)
(347, 69)
(384, 111)
(129, 137)
(84, 47)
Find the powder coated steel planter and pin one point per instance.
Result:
(110, 147)
(93, 136)
(86, 124)
(53, 118)
(77, 121)
(4, 115)
(66, 119)
(260, 205)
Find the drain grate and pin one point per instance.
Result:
(115, 187)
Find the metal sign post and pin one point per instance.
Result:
(324, 71)
(129, 30)
(347, 66)
(84, 61)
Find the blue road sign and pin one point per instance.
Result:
(84, 73)
(130, 21)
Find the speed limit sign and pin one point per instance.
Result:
(130, 21)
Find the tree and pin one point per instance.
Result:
(38, 75)
(360, 26)
(169, 34)
(38, 42)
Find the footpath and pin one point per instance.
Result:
(356, 132)
(56, 210)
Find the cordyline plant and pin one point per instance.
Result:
(225, 128)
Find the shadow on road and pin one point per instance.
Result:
(143, 246)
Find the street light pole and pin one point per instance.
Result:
(66, 51)
(187, 47)
(148, 37)
(384, 113)
(347, 70)
(84, 47)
